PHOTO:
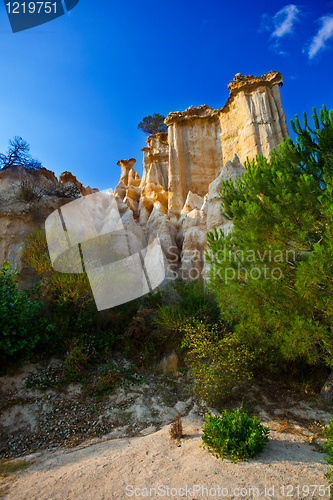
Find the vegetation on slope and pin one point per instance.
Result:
(269, 306)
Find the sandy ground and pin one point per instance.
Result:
(154, 466)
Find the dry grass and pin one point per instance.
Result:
(176, 430)
(7, 473)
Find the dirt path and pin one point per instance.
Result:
(130, 467)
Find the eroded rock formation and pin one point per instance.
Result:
(177, 200)
(195, 154)
(178, 197)
(154, 184)
(202, 139)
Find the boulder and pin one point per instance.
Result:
(192, 201)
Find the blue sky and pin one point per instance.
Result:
(77, 87)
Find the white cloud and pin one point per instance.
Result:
(284, 20)
(324, 34)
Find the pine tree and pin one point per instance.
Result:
(274, 273)
(153, 124)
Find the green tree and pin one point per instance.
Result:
(22, 326)
(18, 154)
(153, 124)
(274, 273)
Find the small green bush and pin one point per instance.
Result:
(74, 364)
(28, 192)
(186, 300)
(68, 300)
(21, 324)
(234, 434)
(329, 458)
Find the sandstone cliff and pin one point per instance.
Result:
(178, 197)
(202, 139)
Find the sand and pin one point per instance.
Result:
(154, 466)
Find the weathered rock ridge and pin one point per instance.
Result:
(66, 178)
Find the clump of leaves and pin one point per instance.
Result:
(21, 324)
(186, 300)
(329, 458)
(137, 336)
(67, 297)
(233, 434)
(112, 376)
(217, 359)
(74, 364)
(68, 190)
(153, 124)
(29, 192)
(176, 429)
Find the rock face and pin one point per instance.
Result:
(27, 197)
(154, 184)
(128, 176)
(67, 178)
(202, 139)
(195, 155)
(231, 170)
(177, 200)
(252, 120)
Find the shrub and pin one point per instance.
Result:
(217, 359)
(184, 302)
(62, 190)
(29, 192)
(234, 434)
(329, 450)
(274, 270)
(18, 154)
(61, 287)
(70, 304)
(136, 338)
(153, 124)
(68, 297)
(74, 364)
(113, 375)
(21, 324)
(176, 429)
